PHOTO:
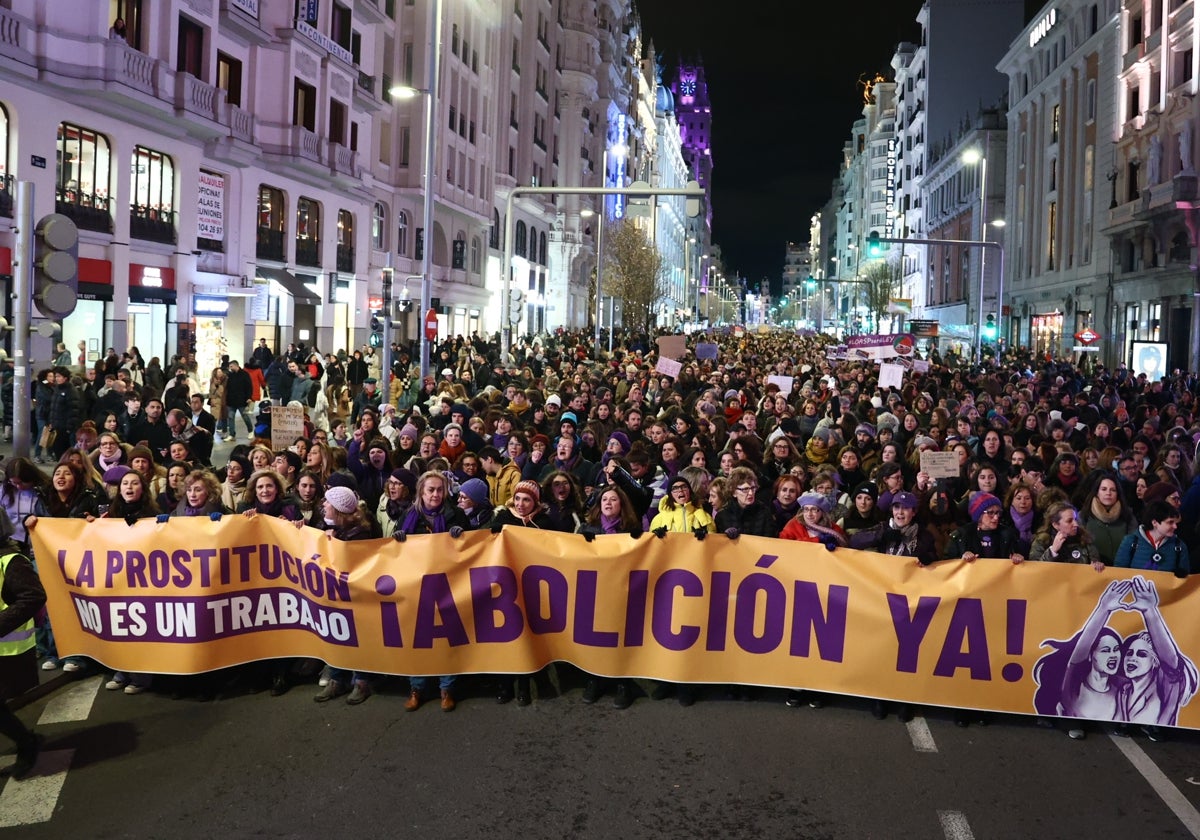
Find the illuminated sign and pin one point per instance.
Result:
(152, 277)
(890, 190)
(324, 42)
(210, 306)
(1042, 28)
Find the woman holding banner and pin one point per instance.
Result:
(266, 497)
(434, 512)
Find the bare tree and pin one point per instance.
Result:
(633, 273)
(880, 283)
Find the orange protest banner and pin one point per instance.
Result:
(191, 595)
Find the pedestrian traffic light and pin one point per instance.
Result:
(874, 246)
(376, 337)
(989, 328)
(55, 266)
(810, 282)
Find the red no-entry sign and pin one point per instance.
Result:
(431, 324)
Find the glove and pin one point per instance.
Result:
(497, 526)
(1181, 574)
(660, 532)
(700, 533)
(215, 516)
(456, 531)
(400, 536)
(161, 518)
(732, 533)
(589, 534)
(830, 545)
(131, 520)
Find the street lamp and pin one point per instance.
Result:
(430, 94)
(972, 157)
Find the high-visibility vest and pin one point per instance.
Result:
(21, 639)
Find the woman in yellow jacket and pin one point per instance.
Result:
(679, 513)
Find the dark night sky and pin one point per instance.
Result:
(782, 77)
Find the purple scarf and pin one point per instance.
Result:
(435, 519)
(1023, 524)
(610, 524)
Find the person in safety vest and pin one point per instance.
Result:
(21, 596)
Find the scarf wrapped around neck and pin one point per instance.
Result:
(908, 538)
(435, 519)
(1023, 523)
(395, 508)
(1107, 515)
(527, 521)
(610, 524)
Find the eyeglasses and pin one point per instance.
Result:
(995, 512)
(748, 488)
(560, 484)
(1130, 468)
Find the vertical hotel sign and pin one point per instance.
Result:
(210, 210)
(890, 189)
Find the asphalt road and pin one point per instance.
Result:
(251, 764)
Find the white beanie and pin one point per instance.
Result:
(343, 499)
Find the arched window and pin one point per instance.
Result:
(402, 233)
(475, 255)
(272, 223)
(494, 233)
(308, 231)
(520, 240)
(542, 247)
(379, 227)
(84, 169)
(459, 255)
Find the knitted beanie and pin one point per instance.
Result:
(531, 488)
(980, 502)
(342, 499)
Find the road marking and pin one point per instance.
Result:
(922, 738)
(955, 825)
(33, 800)
(72, 703)
(1176, 801)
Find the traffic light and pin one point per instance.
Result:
(55, 266)
(376, 337)
(810, 282)
(516, 305)
(874, 246)
(989, 328)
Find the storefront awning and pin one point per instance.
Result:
(299, 292)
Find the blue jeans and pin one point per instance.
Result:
(233, 412)
(422, 684)
(344, 677)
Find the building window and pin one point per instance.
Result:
(152, 196)
(308, 232)
(337, 122)
(229, 78)
(304, 105)
(1181, 73)
(129, 11)
(345, 241)
(494, 231)
(1090, 115)
(405, 142)
(272, 223)
(190, 58)
(1133, 106)
(84, 164)
(378, 226)
(542, 248)
(520, 240)
(1055, 114)
(1051, 233)
(475, 255)
(6, 189)
(339, 26)
(402, 233)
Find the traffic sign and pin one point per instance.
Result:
(431, 324)
(1087, 336)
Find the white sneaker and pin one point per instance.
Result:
(71, 666)
(51, 664)
(134, 689)
(324, 680)
(113, 685)
(218, 437)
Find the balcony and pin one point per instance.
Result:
(303, 143)
(343, 161)
(308, 251)
(365, 95)
(87, 211)
(269, 245)
(345, 259)
(153, 225)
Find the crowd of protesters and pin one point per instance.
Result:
(1055, 464)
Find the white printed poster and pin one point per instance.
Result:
(210, 209)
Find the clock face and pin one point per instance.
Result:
(687, 87)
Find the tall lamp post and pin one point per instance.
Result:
(407, 92)
(972, 157)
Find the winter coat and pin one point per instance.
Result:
(683, 519)
(1137, 552)
(999, 543)
(755, 519)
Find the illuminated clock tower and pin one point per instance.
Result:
(694, 114)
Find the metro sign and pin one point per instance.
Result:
(1087, 336)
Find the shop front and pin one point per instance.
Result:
(91, 322)
(152, 324)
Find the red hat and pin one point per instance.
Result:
(529, 487)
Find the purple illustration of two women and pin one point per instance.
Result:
(1141, 679)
